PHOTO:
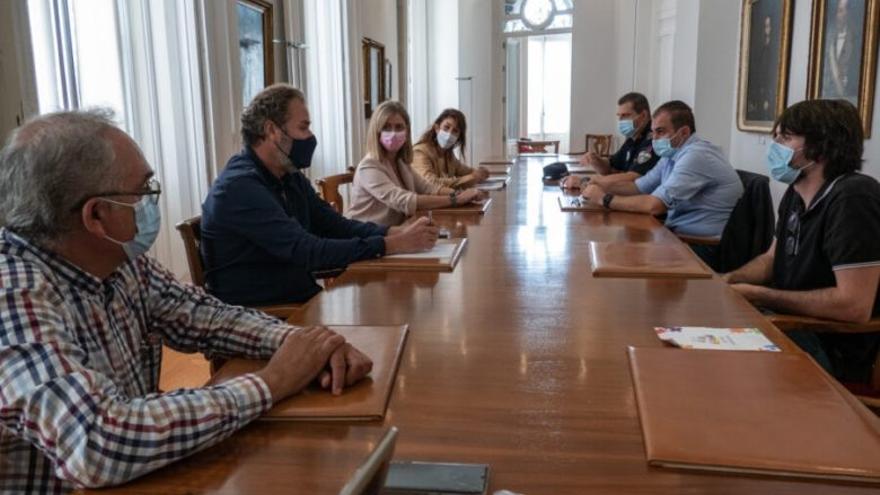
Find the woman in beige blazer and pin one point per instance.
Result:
(435, 153)
(385, 189)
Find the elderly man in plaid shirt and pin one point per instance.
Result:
(83, 314)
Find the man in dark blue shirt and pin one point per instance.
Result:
(265, 230)
(635, 157)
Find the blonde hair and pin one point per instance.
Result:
(380, 117)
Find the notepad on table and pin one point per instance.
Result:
(479, 207)
(727, 339)
(441, 258)
(364, 401)
(444, 250)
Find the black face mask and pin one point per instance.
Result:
(301, 150)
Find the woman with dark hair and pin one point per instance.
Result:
(825, 260)
(434, 154)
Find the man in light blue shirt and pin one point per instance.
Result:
(693, 183)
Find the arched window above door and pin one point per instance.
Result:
(529, 17)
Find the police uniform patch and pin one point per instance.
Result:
(643, 157)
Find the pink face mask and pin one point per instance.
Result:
(392, 141)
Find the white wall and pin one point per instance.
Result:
(476, 54)
(716, 75)
(594, 70)
(443, 57)
(685, 45)
(378, 20)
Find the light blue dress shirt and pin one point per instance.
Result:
(698, 186)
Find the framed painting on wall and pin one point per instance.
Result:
(843, 53)
(374, 75)
(255, 46)
(764, 56)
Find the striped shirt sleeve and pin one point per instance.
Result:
(190, 320)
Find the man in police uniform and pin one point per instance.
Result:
(635, 158)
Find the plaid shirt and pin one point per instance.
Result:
(79, 370)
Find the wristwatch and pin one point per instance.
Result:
(606, 200)
(453, 198)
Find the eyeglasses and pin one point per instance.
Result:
(152, 189)
(793, 226)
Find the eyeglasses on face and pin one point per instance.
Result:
(152, 190)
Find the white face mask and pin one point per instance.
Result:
(446, 139)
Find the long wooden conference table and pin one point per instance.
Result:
(516, 359)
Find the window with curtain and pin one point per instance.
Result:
(139, 58)
(549, 83)
(77, 55)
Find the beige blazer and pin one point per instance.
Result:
(435, 168)
(380, 195)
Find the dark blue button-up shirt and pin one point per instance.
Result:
(263, 237)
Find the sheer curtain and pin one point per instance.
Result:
(326, 84)
(140, 58)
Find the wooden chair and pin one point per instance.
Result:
(868, 395)
(526, 146)
(191, 233)
(330, 189)
(599, 144)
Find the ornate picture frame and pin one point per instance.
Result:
(764, 60)
(843, 54)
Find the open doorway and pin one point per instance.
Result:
(537, 72)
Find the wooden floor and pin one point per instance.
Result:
(183, 370)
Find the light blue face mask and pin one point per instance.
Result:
(779, 158)
(626, 127)
(148, 219)
(663, 147)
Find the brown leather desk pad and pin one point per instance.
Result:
(751, 412)
(646, 260)
(365, 401)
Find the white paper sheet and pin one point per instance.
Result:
(728, 339)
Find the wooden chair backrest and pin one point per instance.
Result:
(330, 189)
(528, 146)
(191, 233)
(598, 143)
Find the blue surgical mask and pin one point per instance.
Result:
(148, 219)
(626, 127)
(663, 147)
(779, 159)
(446, 140)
